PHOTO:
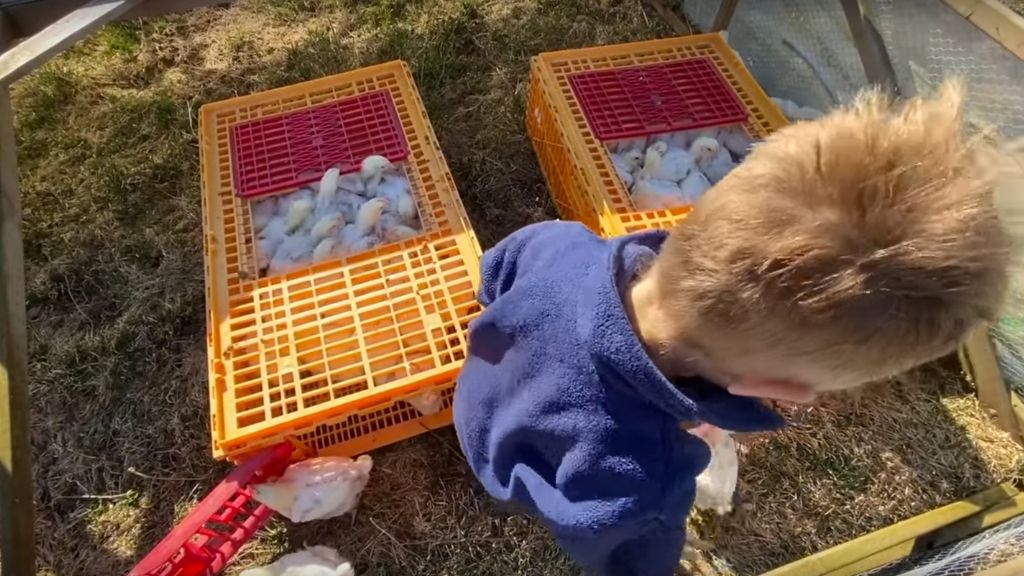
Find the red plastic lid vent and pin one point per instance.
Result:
(295, 148)
(214, 531)
(654, 98)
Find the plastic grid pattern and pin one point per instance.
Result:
(213, 532)
(575, 162)
(320, 344)
(664, 97)
(295, 148)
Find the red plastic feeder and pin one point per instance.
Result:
(288, 150)
(654, 98)
(206, 540)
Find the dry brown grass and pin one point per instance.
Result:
(108, 155)
(859, 463)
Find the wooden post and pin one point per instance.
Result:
(59, 36)
(677, 24)
(871, 48)
(993, 393)
(17, 542)
(831, 562)
(724, 15)
(995, 19)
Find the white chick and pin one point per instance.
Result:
(268, 240)
(735, 140)
(676, 164)
(313, 561)
(298, 212)
(284, 203)
(626, 163)
(360, 244)
(652, 158)
(716, 485)
(704, 150)
(352, 182)
(316, 488)
(396, 190)
(393, 228)
(372, 170)
(328, 189)
(349, 204)
(262, 212)
(694, 186)
(293, 252)
(398, 232)
(795, 112)
(327, 226)
(356, 237)
(651, 194)
(427, 402)
(721, 165)
(325, 249)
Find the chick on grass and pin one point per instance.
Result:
(841, 251)
(313, 561)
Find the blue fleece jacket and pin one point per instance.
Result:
(560, 410)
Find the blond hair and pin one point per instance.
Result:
(845, 249)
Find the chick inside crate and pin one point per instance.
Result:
(341, 268)
(629, 136)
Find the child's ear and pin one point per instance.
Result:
(785, 390)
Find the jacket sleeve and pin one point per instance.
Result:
(501, 264)
(650, 548)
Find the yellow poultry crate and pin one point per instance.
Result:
(574, 159)
(334, 356)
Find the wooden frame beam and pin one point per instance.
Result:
(17, 543)
(726, 9)
(995, 19)
(878, 67)
(28, 19)
(59, 36)
(937, 527)
(979, 361)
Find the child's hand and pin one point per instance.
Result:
(784, 390)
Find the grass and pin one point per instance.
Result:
(108, 154)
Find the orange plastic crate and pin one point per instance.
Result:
(575, 163)
(325, 355)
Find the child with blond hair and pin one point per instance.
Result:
(841, 251)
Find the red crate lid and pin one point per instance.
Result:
(214, 531)
(654, 98)
(295, 148)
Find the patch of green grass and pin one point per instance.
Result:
(121, 37)
(320, 54)
(383, 13)
(44, 104)
(286, 11)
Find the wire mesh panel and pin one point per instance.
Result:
(992, 547)
(801, 50)
(928, 41)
